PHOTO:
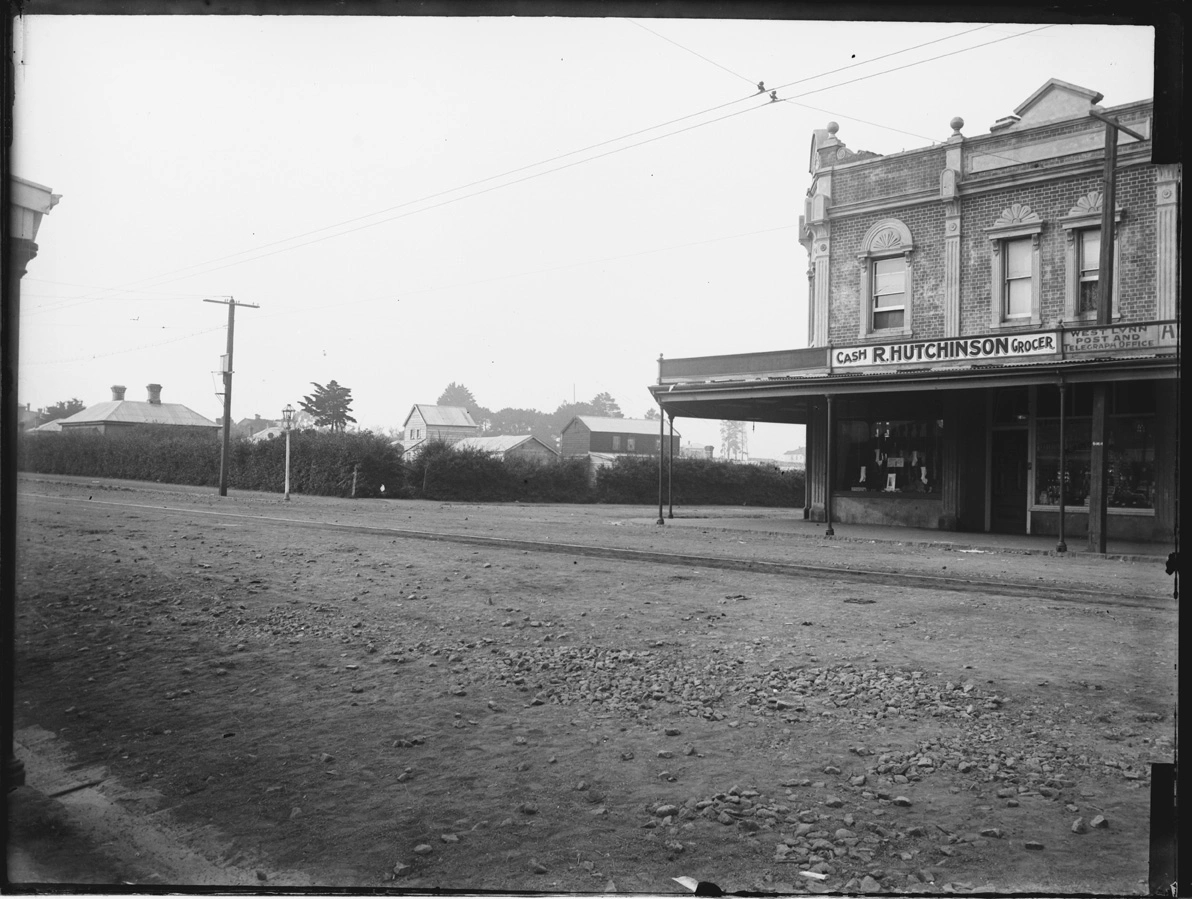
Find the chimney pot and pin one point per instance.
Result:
(118, 392)
(154, 394)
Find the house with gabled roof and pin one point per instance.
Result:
(587, 434)
(427, 422)
(510, 446)
(119, 416)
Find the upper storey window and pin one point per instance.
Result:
(885, 262)
(1015, 268)
(889, 293)
(1088, 254)
(1082, 289)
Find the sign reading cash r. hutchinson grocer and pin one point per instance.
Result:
(951, 349)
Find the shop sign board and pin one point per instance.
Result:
(952, 349)
(1117, 338)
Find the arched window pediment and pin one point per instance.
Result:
(887, 237)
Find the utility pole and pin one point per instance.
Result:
(231, 303)
(1098, 458)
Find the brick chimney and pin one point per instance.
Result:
(118, 392)
(154, 394)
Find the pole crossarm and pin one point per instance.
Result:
(1116, 124)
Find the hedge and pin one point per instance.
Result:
(323, 464)
(698, 482)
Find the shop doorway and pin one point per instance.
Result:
(1008, 484)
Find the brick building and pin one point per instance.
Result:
(954, 331)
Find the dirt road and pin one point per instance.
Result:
(316, 693)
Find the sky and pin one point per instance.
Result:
(536, 208)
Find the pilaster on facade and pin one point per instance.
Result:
(1167, 251)
(820, 281)
(950, 196)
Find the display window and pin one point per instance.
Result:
(1130, 444)
(891, 458)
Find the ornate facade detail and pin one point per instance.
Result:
(1089, 204)
(1167, 248)
(886, 240)
(1017, 214)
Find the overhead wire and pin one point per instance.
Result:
(548, 161)
(577, 162)
(147, 346)
(525, 274)
(475, 193)
(692, 52)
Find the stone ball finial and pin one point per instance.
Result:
(956, 123)
(833, 128)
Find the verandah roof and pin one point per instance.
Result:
(789, 397)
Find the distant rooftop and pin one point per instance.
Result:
(443, 416)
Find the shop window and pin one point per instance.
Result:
(1082, 225)
(885, 262)
(1130, 445)
(888, 457)
(1015, 267)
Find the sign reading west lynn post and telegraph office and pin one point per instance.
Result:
(1106, 339)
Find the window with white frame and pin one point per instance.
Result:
(1015, 268)
(889, 293)
(886, 287)
(1082, 291)
(1016, 273)
(616, 441)
(1088, 264)
(630, 444)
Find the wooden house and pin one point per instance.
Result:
(425, 422)
(510, 446)
(586, 434)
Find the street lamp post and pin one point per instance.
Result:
(287, 423)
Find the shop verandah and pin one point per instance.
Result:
(975, 447)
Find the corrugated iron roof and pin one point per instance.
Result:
(442, 416)
(645, 426)
(139, 412)
(500, 443)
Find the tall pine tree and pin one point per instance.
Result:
(329, 406)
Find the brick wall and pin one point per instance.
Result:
(1051, 199)
(893, 176)
(926, 224)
